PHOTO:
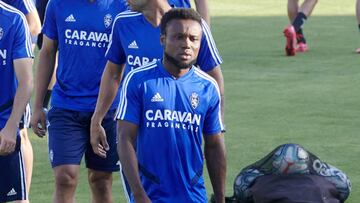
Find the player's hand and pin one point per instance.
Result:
(38, 122)
(98, 140)
(7, 141)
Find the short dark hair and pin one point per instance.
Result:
(178, 14)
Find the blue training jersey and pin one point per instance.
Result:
(82, 31)
(25, 6)
(172, 116)
(136, 42)
(15, 43)
(180, 3)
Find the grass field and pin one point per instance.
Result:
(312, 99)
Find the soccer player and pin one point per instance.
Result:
(15, 90)
(167, 107)
(131, 48)
(79, 31)
(201, 7)
(295, 40)
(358, 19)
(28, 9)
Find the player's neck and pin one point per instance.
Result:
(155, 11)
(173, 70)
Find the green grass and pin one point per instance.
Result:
(311, 99)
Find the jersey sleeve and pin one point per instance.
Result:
(130, 101)
(209, 56)
(115, 52)
(212, 122)
(25, 6)
(50, 28)
(22, 39)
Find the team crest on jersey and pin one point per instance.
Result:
(1, 33)
(194, 99)
(107, 20)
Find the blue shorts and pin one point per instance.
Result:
(69, 140)
(12, 176)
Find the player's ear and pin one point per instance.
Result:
(162, 39)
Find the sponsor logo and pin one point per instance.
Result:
(86, 39)
(3, 56)
(166, 118)
(137, 61)
(107, 20)
(1, 33)
(133, 45)
(12, 192)
(194, 100)
(70, 18)
(157, 98)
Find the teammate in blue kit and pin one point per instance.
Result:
(28, 9)
(15, 90)
(80, 32)
(166, 108)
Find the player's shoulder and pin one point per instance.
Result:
(205, 78)
(128, 16)
(63, 4)
(10, 13)
(143, 72)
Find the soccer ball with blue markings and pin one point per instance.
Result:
(290, 159)
(243, 183)
(335, 176)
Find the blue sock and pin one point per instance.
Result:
(299, 21)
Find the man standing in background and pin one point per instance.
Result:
(28, 9)
(15, 90)
(80, 32)
(295, 39)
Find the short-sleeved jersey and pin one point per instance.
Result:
(136, 42)
(172, 115)
(25, 6)
(180, 3)
(15, 43)
(82, 31)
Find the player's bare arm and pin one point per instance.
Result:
(44, 73)
(109, 86)
(127, 133)
(23, 73)
(215, 156)
(216, 73)
(34, 22)
(203, 8)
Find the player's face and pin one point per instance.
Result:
(136, 5)
(182, 42)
